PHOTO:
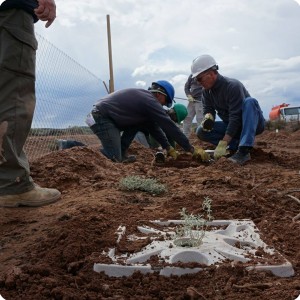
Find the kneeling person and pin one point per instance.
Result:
(130, 109)
(241, 116)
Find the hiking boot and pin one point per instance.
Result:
(129, 159)
(160, 157)
(230, 152)
(36, 197)
(240, 158)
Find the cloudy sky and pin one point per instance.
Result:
(255, 41)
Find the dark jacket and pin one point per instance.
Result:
(27, 5)
(138, 108)
(226, 98)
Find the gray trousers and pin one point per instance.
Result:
(17, 98)
(194, 109)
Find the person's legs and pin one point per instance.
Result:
(216, 135)
(17, 103)
(109, 135)
(199, 112)
(127, 137)
(253, 122)
(187, 123)
(140, 137)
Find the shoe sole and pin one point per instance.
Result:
(129, 160)
(30, 203)
(236, 162)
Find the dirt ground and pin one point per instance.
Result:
(49, 252)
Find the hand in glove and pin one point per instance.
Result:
(173, 153)
(200, 153)
(208, 122)
(190, 98)
(220, 150)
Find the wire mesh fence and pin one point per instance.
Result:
(65, 94)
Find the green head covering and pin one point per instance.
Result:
(181, 112)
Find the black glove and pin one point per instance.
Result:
(160, 157)
(208, 122)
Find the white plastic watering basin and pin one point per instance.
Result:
(238, 241)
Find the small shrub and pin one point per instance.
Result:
(295, 124)
(192, 231)
(276, 124)
(148, 185)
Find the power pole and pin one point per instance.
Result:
(111, 73)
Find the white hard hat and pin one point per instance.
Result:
(202, 63)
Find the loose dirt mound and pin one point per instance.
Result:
(49, 252)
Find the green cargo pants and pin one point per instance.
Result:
(17, 98)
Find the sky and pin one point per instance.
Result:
(254, 41)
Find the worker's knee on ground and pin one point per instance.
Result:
(250, 103)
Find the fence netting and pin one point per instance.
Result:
(65, 94)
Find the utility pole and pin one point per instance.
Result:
(111, 73)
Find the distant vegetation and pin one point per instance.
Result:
(59, 132)
(292, 124)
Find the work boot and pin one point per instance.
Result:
(129, 159)
(36, 197)
(240, 158)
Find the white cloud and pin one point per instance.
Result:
(140, 83)
(255, 41)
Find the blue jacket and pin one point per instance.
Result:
(27, 5)
(138, 108)
(226, 99)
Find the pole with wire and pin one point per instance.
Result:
(185, 99)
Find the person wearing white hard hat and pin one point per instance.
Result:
(241, 116)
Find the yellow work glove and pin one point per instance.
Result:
(208, 122)
(172, 152)
(190, 98)
(200, 153)
(220, 150)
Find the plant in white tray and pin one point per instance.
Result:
(192, 230)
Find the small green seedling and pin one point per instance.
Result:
(193, 229)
